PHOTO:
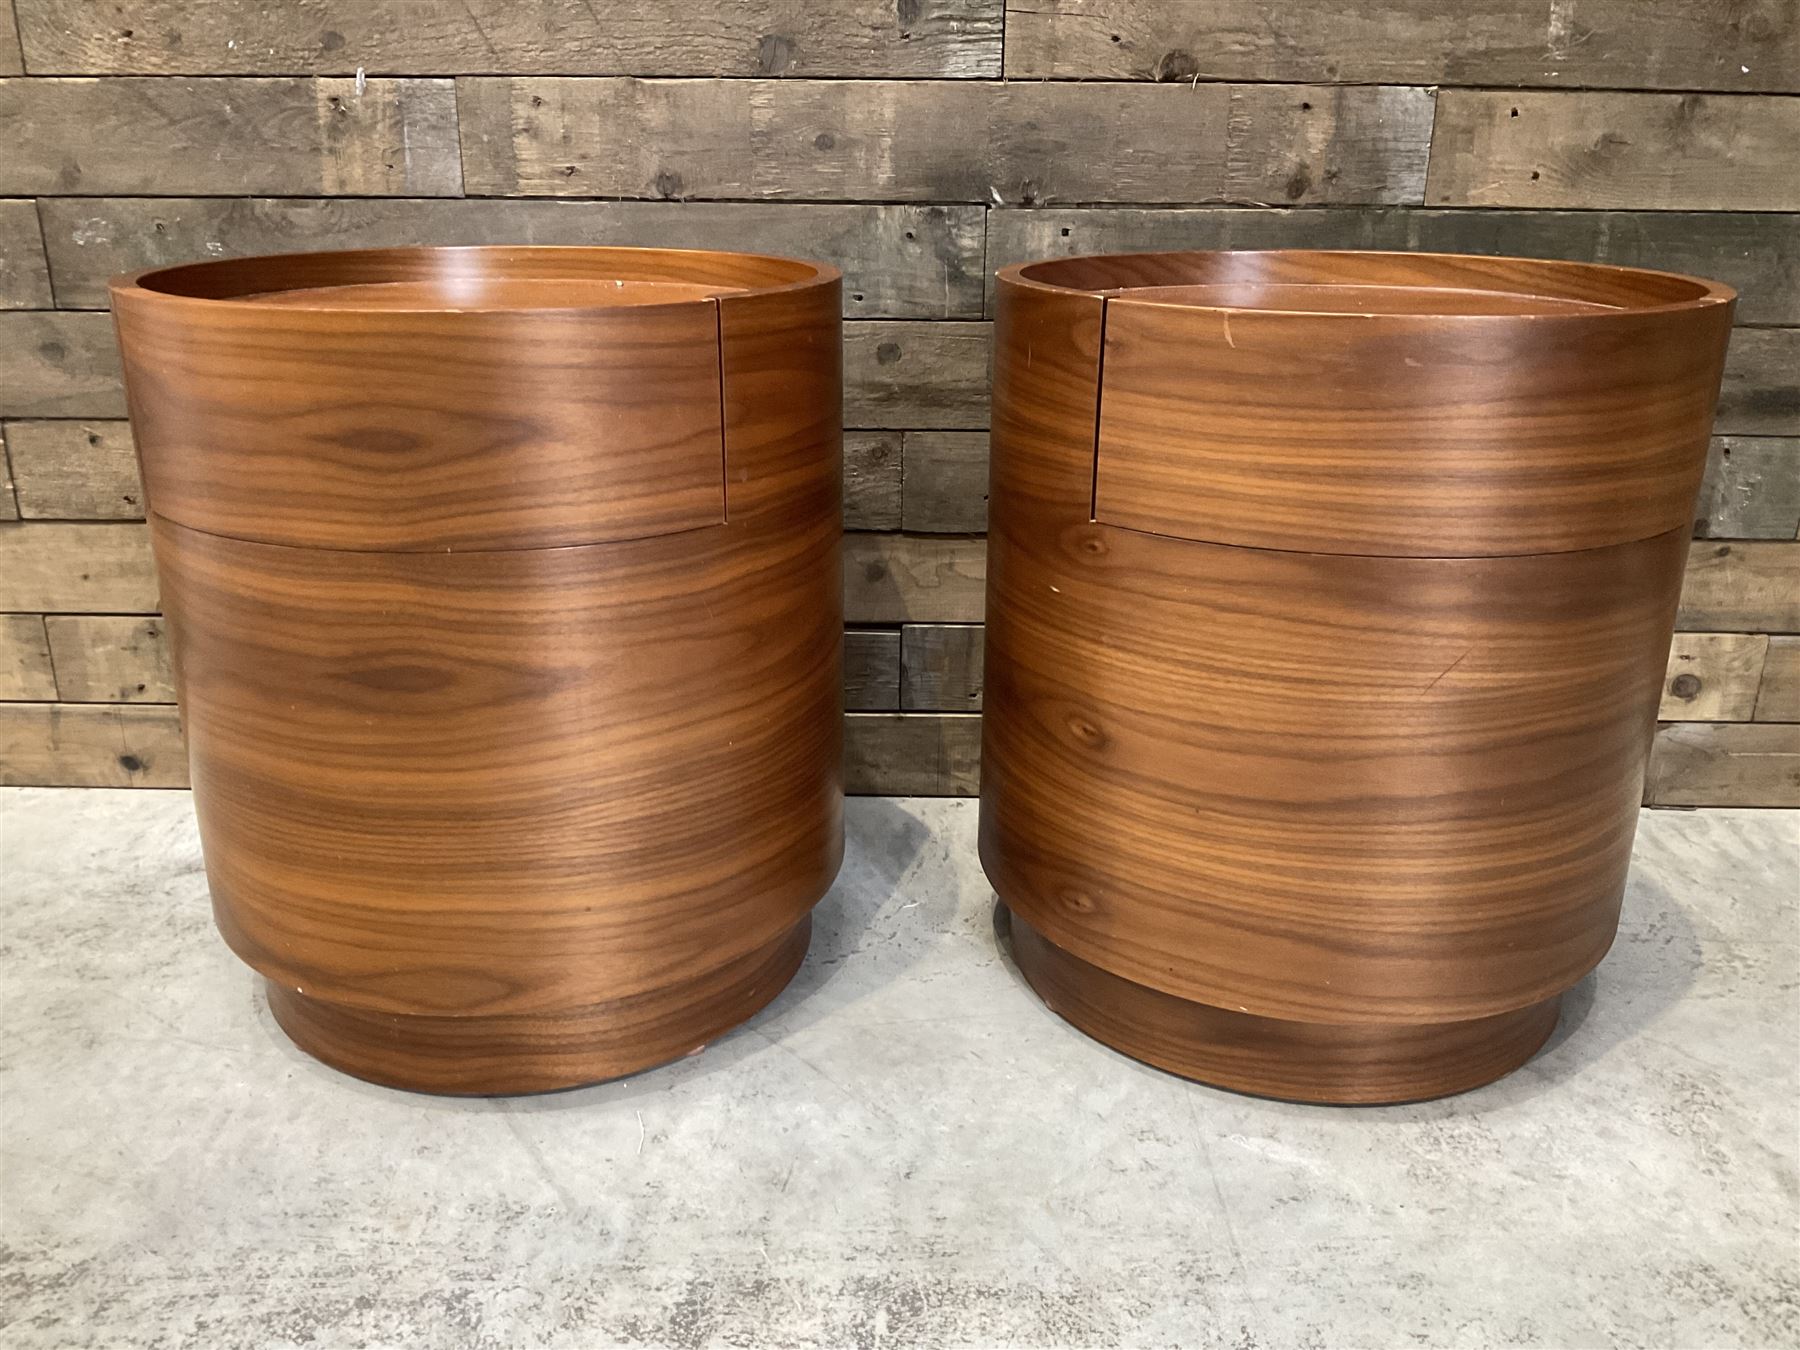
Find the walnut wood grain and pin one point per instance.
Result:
(1348, 1063)
(480, 1056)
(1262, 407)
(508, 817)
(1338, 819)
(571, 401)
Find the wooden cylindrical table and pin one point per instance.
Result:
(505, 599)
(1329, 597)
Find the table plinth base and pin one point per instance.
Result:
(1294, 1061)
(503, 1055)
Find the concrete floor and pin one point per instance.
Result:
(905, 1149)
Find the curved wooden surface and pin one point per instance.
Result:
(520, 816)
(1364, 1063)
(1303, 820)
(1461, 422)
(541, 1052)
(364, 401)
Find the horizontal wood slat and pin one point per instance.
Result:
(25, 670)
(946, 482)
(940, 667)
(943, 141)
(24, 275)
(1752, 489)
(916, 374)
(1725, 764)
(921, 38)
(71, 745)
(9, 502)
(1778, 697)
(58, 365)
(898, 578)
(912, 755)
(872, 670)
(899, 261)
(1596, 43)
(11, 61)
(1761, 395)
(1741, 588)
(872, 480)
(1757, 253)
(76, 569)
(1665, 152)
(110, 658)
(82, 470)
(1713, 677)
(375, 137)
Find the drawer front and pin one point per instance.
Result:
(428, 431)
(1406, 435)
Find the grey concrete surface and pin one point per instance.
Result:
(906, 1149)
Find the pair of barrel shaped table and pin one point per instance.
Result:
(1329, 598)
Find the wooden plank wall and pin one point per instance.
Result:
(920, 144)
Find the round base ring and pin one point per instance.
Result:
(1339, 1063)
(510, 1054)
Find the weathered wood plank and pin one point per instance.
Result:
(943, 141)
(1712, 677)
(1598, 43)
(1757, 253)
(24, 275)
(928, 375)
(1741, 588)
(946, 482)
(940, 667)
(1667, 152)
(11, 62)
(110, 658)
(902, 578)
(1725, 764)
(76, 569)
(25, 670)
(1761, 395)
(91, 745)
(872, 480)
(871, 670)
(916, 39)
(66, 470)
(1327, 144)
(899, 261)
(9, 499)
(337, 137)
(1751, 490)
(950, 141)
(1778, 698)
(58, 365)
(912, 755)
